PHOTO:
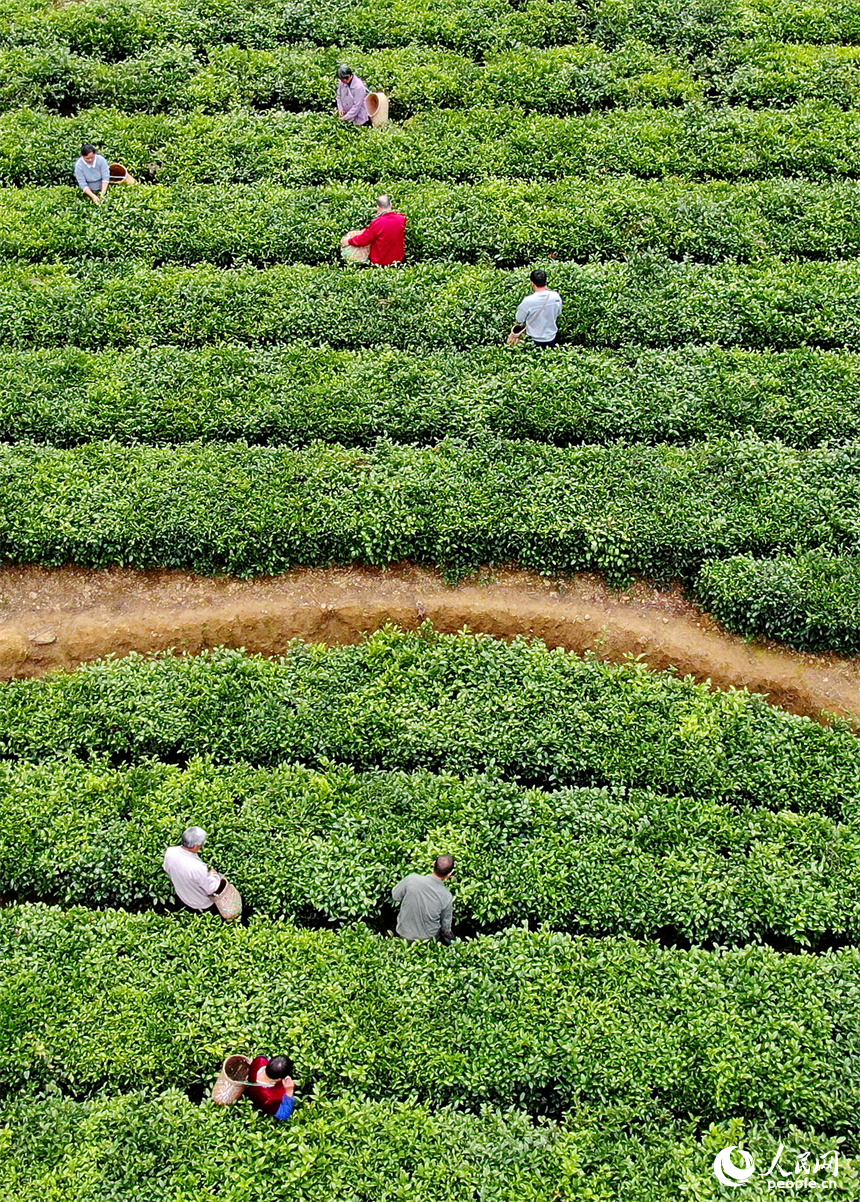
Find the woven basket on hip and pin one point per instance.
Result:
(355, 254)
(377, 108)
(228, 902)
(120, 174)
(232, 1082)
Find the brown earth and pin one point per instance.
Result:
(60, 617)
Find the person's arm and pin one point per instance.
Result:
(358, 95)
(399, 892)
(447, 922)
(522, 312)
(365, 237)
(214, 880)
(288, 1103)
(105, 176)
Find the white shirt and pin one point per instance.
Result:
(539, 314)
(193, 881)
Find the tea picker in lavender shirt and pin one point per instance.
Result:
(351, 97)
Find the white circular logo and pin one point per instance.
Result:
(727, 1172)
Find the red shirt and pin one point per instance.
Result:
(386, 237)
(267, 1098)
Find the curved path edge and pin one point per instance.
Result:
(59, 618)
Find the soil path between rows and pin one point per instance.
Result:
(60, 617)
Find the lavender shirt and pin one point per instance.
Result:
(351, 98)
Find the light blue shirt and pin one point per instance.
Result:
(94, 175)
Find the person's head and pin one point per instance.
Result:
(88, 152)
(443, 866)
(344, 72)
(383, 204)
(193, 838)
(538, 278)
(278, 1067)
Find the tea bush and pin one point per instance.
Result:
(460, 704)
(389, 1151)
(532, 1020)
(648, 301)
(298, 393)
(336, 843)
(619, 509)
(813, 140)
(172, 78)
(811, 601)
(511, 223)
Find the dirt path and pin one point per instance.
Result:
(60, 617)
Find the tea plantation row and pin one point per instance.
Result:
(620, 509)
(336, 843)
(538, 1021)
(647, 302)
(349, 1147)
(510, 222)
(561, 80)
(116, 29)
(812, 140)
(301, 392)
(460, 704)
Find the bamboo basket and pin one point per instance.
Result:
(377, 108)
(232, 1082)
(120, 174)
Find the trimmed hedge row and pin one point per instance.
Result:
(564, 80)
(538, 1021)
(355, 1148)
(336, 843)
(116, 28)
(620, 509)
(649, 301)
(242, 147)
(299, 393)
(811, 601)
(459, 704)
(774, 73)
(512, 223)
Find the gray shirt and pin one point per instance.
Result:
(92, 175)
(539, 314)
(426, 907)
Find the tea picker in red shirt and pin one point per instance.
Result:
(270, 1086)
(386, 235)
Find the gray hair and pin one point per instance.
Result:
(193, 837)
(383, 202)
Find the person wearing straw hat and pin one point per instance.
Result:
(386, 235)
(351, 97)
(193, 882)
(92, 173)
(271, 1087)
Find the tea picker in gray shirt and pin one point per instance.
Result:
(92, 173)
(538, 313)
(426, 906)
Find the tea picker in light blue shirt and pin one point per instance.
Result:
(92, 173)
